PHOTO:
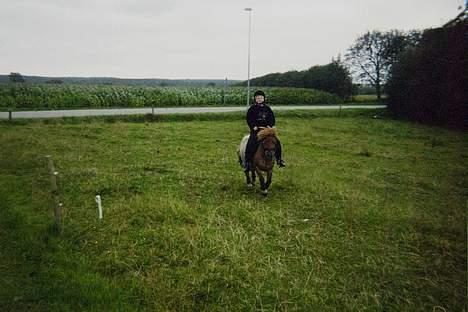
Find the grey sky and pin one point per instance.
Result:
(194, 39)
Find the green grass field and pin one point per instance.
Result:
(369, 214)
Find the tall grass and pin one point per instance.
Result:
(369, 214)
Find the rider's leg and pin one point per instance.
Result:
(278, 153)
(250, 149)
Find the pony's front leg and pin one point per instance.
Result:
(262, 183)
(269, 176)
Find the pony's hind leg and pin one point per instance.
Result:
(247, 178)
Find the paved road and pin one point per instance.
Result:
(159, 111)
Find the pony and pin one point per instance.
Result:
(263, 159)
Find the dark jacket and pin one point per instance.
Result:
(260, 116)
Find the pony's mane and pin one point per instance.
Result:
(266, 133)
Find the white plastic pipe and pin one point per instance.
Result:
(98, 201)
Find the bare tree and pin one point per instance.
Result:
(372, 55)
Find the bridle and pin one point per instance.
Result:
(267, 150)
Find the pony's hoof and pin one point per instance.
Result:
(265, 192)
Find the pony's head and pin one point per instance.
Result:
(267, 137)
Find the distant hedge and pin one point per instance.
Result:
(428, 83)
(63, 96)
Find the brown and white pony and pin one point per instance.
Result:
(263, 159)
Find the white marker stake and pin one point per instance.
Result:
(98, 201)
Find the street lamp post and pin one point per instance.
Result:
(248, 61)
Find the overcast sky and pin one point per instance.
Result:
(194, 39)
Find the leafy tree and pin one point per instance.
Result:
(334, 78)
(373, 54)
(428, 82)
(16, 77)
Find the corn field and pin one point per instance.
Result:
(43, 96)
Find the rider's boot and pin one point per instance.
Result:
(281, 163)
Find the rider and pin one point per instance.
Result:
(260, 115)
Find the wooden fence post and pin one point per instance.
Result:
(55, 195)
(10, 117)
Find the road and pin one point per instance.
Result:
(159, 111)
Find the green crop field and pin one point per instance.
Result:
(369, 214)
(45, 96)
(366, 98)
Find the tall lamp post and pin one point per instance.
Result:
(248, 62)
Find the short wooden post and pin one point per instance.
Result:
(99, 204)
(55, 195)
(152, 110)
(10, 117)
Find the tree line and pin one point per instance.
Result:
(16, 77)
(334, 78)
(368, 60)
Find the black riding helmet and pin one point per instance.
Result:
(259, 92)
